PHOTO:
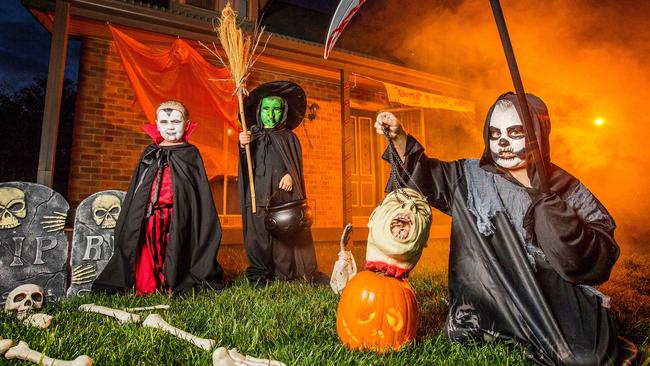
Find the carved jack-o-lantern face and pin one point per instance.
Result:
(376, 312)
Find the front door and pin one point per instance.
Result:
(363, 163)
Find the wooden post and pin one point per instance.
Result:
(347, 146)
(52, 109)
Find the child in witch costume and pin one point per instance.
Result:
(273, 110)
(521, 262)
(168, 233)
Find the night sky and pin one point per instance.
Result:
(25, 48)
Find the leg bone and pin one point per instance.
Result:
(230, 357)
(146, 308)
(120, 315)
(156, 321)
(5, 344)
(22, 352)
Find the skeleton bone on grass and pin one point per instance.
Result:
(24, 300)
(230, 357)
(220, 357)
(5, 344)
(156, 321)
(38, 320)
(23, 352)
(120, 315)
(147, 308)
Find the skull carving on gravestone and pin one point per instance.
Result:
(106, 209)
(12, 207)
(24, 299)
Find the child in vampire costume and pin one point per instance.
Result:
(273, 110)
(521, 262)
(168, 233)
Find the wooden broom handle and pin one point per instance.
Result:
(242, 117)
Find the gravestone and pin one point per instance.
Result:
(33, 245)
(92, 240)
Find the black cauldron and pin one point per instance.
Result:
(287, 219)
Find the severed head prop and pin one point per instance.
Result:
(506, 136)
(172, 120)
(398, 232)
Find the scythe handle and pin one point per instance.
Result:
(242, 117)
(531, 140)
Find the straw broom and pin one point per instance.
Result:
(240, 60)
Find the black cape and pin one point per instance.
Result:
(270, 257)
(495, 292)
(284, 143)
(195, 231)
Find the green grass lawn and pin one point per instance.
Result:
(291, 322)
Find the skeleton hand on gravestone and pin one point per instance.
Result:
(230, 357)
(83, 274)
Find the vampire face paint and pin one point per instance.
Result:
(171, 124)
(271, 111)
(507, 138)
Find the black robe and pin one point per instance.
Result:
(269, 257)
(195, 232)
(524, 284)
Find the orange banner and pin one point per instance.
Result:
(417, 98)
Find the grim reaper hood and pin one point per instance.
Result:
(558, 179)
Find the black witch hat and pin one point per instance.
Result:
(293, 95)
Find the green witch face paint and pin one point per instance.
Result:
(271, 111)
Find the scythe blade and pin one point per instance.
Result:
(344, 12)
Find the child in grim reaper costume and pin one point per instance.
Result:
(274, 109)
(521, 263)
(168, 233)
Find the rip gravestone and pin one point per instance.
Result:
(33, 245)
(92, 241)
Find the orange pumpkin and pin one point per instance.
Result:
(376, 312)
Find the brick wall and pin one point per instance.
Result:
(108, 139)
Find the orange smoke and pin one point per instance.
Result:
(585, 59)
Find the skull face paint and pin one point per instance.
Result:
(171, 124)
(506, 137)
(271, 111)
